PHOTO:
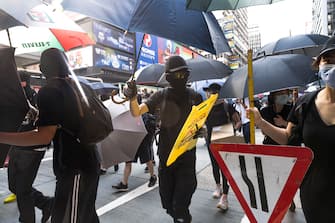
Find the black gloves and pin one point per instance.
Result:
(131, 90)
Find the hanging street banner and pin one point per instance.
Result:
(264, 178)
(196, 119)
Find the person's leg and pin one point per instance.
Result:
(153, 177)
(126, 173)
(27, 164)
(246, 132)
(166, 188)
(223, 203)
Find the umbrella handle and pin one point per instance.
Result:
(114, 92)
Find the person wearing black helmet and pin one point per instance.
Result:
(314, 124)
(75, 165)
(178, 182)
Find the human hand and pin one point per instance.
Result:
(279, 121)
(257, 115)
(130, 91)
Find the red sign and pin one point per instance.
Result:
(264, 178)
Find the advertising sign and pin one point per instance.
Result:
(113, 37)
(80, 58)
(148, 54)
(113, 59)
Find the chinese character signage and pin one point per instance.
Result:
(113, 37)
(113, 59)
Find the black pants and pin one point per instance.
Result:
(22, 171)
(75, 197)
(177, 185)
(215, 166)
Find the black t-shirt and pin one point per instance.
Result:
(269, 114)
(57, 106)
(174, 108)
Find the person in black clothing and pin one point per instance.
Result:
(24, 163)
(217, 117)
(75, 165)
(317, 124)
(277, 111)
(178, 182)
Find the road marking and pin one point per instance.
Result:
(125, 198)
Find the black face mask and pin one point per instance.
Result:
(178, 83)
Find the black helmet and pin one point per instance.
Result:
(174, 64)
(214, 87)
(53, 63)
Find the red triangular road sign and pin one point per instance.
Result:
(264, 178)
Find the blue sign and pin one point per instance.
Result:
(149, 51)
(113, 59)
(113, 37)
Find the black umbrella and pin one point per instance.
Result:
(13, 103)
(270, 73)
(200, 69)
(307, 44)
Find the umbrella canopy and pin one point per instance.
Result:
(122, 144)
(103, 88)
(211, 5)
(270, 73)
(13, 103)
(307, 44)
(200, 69)
(14, 12)
(165, 18)
(46, 28)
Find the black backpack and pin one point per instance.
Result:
(95, 122)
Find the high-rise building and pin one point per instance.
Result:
(323, 19)
(254, 37)
(234, 24)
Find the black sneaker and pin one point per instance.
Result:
(121, 187)
(152, 181)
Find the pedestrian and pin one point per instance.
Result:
(24, 163)
(241, 107)
(217, 117)
(177, 182)
(144, 153)
(75, 165)
(313, 119)
(276, 112)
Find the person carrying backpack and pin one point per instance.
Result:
(312, 121)
(76, 165)
(177, 182)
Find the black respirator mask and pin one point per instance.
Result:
(178, 80)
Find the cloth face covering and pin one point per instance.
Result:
(281, 99)
(327, 74)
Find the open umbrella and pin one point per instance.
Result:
(122, 144)
(165, 18)
(13, 103)
(211, 5)
(270, 73)
(45, 28)
(200, 69)
(307, 44)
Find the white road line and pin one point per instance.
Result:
(125, 198)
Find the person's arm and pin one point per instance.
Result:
(41, 136)
(280, 135)
(136, 109)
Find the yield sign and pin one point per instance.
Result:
(264, 178)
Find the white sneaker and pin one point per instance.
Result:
(217, 193)
(223, 203)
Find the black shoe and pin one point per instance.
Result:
(146, 170)
(116, 167)
(292, 207)
(103, 171)
(152, 181)
(121, 187)
(46, 214)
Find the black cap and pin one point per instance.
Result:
(213, 87)
(174, 64)
(53, 63)
(328, 46)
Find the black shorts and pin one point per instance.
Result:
(145, 151)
